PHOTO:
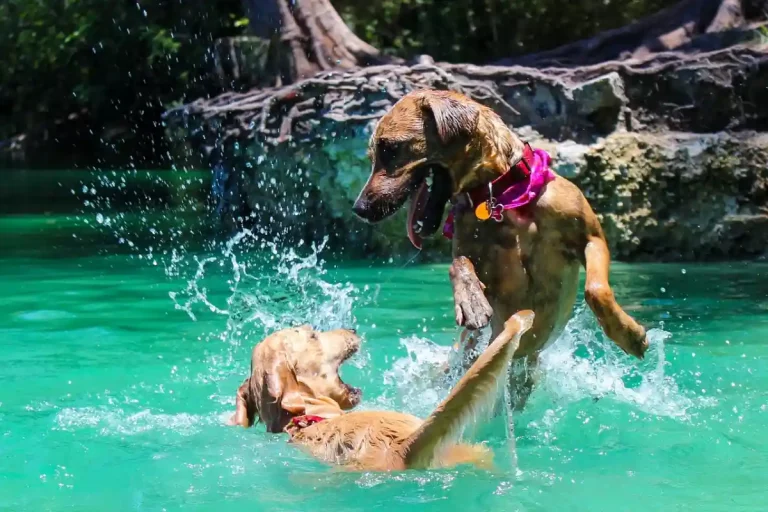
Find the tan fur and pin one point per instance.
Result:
(387, 440)
(528, 261)
(295, 372)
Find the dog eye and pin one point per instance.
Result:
(387, 152)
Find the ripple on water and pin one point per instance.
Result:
(119, 422)
(45, 315)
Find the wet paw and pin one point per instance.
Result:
(472, 308)
(634, 341)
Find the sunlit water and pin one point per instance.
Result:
(119, 372)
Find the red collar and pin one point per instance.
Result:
(505, 181)
(306, 420)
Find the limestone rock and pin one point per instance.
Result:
(671, 151)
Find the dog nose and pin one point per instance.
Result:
(361, 207)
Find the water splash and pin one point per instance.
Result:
(269, 288)
(419, 379)
(581, 364)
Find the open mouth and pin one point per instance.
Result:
(354, 394)
(425, 212)
(349, 352)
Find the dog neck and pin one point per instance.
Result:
(496, 150)
(506, 192)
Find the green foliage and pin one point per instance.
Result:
(120, 63)
(119, 60)
(480, 31)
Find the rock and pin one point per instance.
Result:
(676, 196)
(671, 151)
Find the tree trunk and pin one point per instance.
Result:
(688, 25)
(308, 37)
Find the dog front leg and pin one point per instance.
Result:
(472, 308)
(617, 325)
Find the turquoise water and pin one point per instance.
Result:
(119, 370)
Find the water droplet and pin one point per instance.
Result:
(99, 218)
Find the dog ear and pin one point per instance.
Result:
(298, 399)
(245, 408)
(452, 116)
(276, 393)
(288, 391)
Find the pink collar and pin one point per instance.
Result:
(522, 193)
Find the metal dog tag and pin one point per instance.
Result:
(483, 211)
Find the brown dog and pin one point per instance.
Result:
(279, 393)
(440, 146)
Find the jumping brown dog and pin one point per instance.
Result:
(440, 146)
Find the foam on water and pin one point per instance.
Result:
(581, 364)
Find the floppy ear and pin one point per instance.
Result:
(453, 117)
(277, 396)
(286, 392)
(282, 396)
(298, 399)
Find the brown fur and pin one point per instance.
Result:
(387, 440)
(528, 261)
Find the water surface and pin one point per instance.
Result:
(119, 370)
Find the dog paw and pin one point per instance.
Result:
(634, 341)
(472, 309)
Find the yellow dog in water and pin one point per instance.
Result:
(295, 387)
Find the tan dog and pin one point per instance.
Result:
(295, 372)
(371, 440)
(440, 146)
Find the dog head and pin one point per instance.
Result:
(431, 146)
(296, 372)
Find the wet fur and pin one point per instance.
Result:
(294, 372)
(387, 440)
(531, 259)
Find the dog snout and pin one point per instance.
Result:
(362, 208)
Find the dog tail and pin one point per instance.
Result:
(475, 389)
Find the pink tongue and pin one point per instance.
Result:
(415, 211)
